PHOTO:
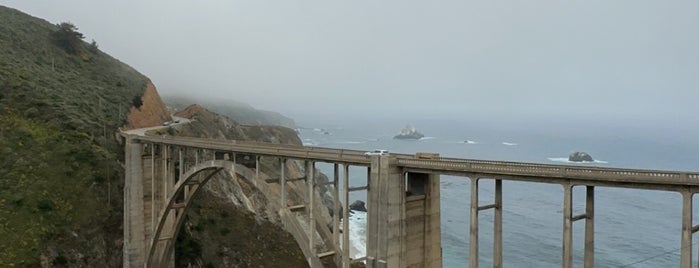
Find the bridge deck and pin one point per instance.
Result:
(546, 173)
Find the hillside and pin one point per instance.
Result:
(61, 182)
(221, 232)
(240, 112)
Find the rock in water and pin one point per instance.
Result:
(580, 157)
(358, 206)
(408, 133)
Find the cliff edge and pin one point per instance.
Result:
(148, 110)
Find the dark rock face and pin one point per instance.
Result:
(358, 206)
(328, 202)
(580, 157)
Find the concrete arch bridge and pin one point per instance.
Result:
(164, 173)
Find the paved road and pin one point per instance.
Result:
(142, 131)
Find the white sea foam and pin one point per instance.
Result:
(351, 142)
(468, 142)
(427, 138)
(309, 142)
(565, 160)
(357, 234)
(509, 143)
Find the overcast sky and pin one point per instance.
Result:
(597, 58)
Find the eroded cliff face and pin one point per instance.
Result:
(207, 124)
(151, 112)
(236, 224)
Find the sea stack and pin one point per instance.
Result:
(580, 157)
(408, 133)
(358, 205)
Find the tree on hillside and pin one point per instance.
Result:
(68, 38)
(93, 46)
(137, 102)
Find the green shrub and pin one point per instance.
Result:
(137, 102)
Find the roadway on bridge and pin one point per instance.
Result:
(142, 131)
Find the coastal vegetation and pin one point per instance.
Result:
(61, 176)
(61, 101)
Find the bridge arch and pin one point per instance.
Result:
(172, 214)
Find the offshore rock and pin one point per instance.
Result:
(408, 133)
(580, 157)
(358, 206)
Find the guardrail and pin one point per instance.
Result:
(445, 164)
(553, 171)
(281, 150)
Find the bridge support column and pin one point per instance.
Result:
(134, 233)
(687, 230)
(497, 226)
(257, 170)
(473, 227)
(419, 243)
(345, 219)
(497, 223)
(336, 208)
(311, 183)
(403, 228)
(568, 219)
(282, 182)
(567, 261)
(589, 256)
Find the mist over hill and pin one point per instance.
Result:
(238, 111)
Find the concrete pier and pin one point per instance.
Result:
(134, 233)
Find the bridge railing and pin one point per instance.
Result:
(285, 150)
(547, 170)
(440, 163)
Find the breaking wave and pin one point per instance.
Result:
(565, 160)
(350, 142)
(309, 142)
(357, 234)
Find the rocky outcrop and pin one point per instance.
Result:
(260, 202)
(358, 206)
(207, 124)
(240, 112)
(580, 157)
(409, 133)
(151, 110)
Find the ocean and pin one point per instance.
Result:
(633, 228)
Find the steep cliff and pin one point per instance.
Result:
(240, 112)
(255, 238)
(148, 110)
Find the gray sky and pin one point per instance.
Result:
(595, 58)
